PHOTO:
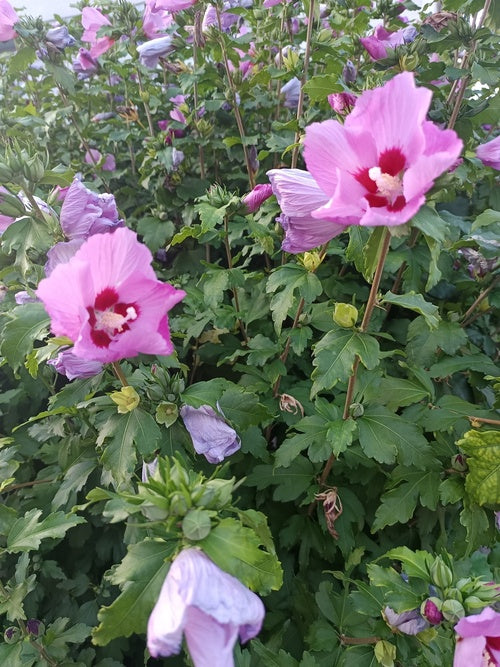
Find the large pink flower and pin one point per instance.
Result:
(489, 153)
(478, 642)
(8, 18)
(376, 168)
(92, 20)
(155, 20)
(173, 5)
(108, 301)
(209, 606)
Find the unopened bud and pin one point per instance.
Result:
(311, 260)
(452, 610)
(345, 315)
(356, 410)
(408, 62)
(473, 602)
(34, 627)
(459, 463)
(441, 574)
(431, 610)
(12, 635)
(385, 653)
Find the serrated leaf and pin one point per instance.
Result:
(319, 87)
(312, 429)
(387, 578)
(335, 353)
(451, 490)
(214, 285)
(26, 325)
(417, 303)
(424, 342)
(236, 550)
(340, 434)
(470, 362)
(483, 460)
(27, 532)
(396, 392)
(141, 573)
(430, 223)
(241, 408)
(291, 482)
(416, 563)
(475, 521)
(205, 393)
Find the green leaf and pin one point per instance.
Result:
(335, 353)
(395, 392)
(27, 532)
(241, 408)
(430, 223)
(451, 490)
(214, 285)
(291, 482)
(26, 325)
(311, 429)
(21, 59)
(383, 434)
(416, 563)
(469, 362)
(399, 502)
(340, 434)
(417, 303)
(319, 87)
(141, 574)
(448, 411)
(155, 232)
(205, 393)
(475, 521)
(294, 278)
(371, 252)
(483, 459)
(424, 342)
(236, 550)
(396, 588)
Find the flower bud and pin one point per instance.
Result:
(454, 594)
(356, 410)
(385, 653)
(254, 199)
(459, 463)
(441, 574)
(349, 73)
(430, 610)
(166, 413)
(408, 62)
(452, 610)
(311, 260)
(12, 635)
(345, 315)
(127, 399)
(473, 602)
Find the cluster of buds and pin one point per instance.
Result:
(19, 167)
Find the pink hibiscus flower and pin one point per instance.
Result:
(108, 301)
(376, 167)
(8, 18)
(478, 642)
(489, 153)
(92, 20)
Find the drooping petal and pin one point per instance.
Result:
(210, 434)
(489, 153)
(209, 642)
(61, 253)
(166, 622)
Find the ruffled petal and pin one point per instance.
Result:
(469, 652)
(209, 642)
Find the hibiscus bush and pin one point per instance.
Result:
(249, 279)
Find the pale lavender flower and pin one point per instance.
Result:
(84, 64)
(60, 37)
(68, 364)
(23, 297)
(349, 73)
(85, 213)
(408, 622)
(210, 434)
(489, 153)
(151, 52)
(291, 91)
(254, 199)
(149, 469)
(60, 253)
(210, 607)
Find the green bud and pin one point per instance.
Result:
(311, 260)
(196, 525)
(12, 635)
(345, 315)
(441, 575)
(459, 463)
(488, 592)
(291, 60)
(5, 173)
(408, 62)
(452, 610)
(454, 594)
(472, 602)
(145, 96)
(465, 584)
(127, 399)
(178, 504)
(11, 205)
(385, 653)
(356, 410)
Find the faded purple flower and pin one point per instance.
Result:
(298, 195)
(349, 73)
(34, 626)
(85, 213)
(408, 622)
(68, 364)
(478, 641)
(291, 91)
(23, 297)
(149, 469)
(84, 64)
(93, 156)
(489, 153)
(209, 606)
(210, 18)
(104, 115)
(342, 103)
(254, 199)
(60, 37)
(151, 52)
(210, 434)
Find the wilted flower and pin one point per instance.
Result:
(92, 20)
(68, 364)
(408, 622)
(378, 44)
(291, 91)
(254, 199)
(84, 64)
(342, 103)
(478, 642)
(108, 301)
(23, 297)
(60, 37)
(8, 18)
(376, 167)
(210, 434)
(298, 195)
(209, 606)
(349, 73)
(149, 469)
(150, 52)
(104, 115)
(489, 153)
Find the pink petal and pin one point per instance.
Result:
(469, 652)
(209, 642)
(487, 623)
(296, 191)
(489, 153)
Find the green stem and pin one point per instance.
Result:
(236, 108)
(479, 299)
(201, 155)
(300, 105)
(117, 370)
(146, 105)
(370, 305)
(234, 289)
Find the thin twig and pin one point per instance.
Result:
(300, 105)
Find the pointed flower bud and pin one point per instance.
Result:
(430, 610)
(441, 575)
(254, 199)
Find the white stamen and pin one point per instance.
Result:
(388, 186)
(110, 321)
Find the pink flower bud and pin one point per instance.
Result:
(254, 199)
(431, 612)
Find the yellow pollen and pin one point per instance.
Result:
(110, 321)
(388, 186)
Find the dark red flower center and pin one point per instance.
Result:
(109, 317)
(383, 182)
